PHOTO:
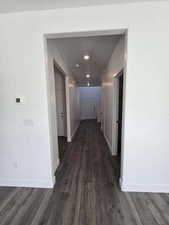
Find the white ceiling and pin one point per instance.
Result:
(29, 5)
(99, 48)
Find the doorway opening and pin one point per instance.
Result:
(92, 61)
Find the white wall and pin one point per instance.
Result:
(23, 72)
(90, 93)
(115, 65)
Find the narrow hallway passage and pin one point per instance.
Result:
(85, 181)
(86, 191)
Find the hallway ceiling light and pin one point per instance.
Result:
(86, 57)
(88, 84)
(87, 75)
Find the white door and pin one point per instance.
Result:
(88, 108)
(60, 103)
(115, 115)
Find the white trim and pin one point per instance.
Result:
(57, 164)
(35, 183)
(109, 145)
(87, 33)
(120, 183)
(156, 188)
(69, 139)
(73, 134)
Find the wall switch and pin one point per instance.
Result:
(18, 100)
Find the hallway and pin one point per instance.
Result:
(85, 180)
(86, 191)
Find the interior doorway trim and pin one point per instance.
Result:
(87, 33)
(90, 33)
(59, 68)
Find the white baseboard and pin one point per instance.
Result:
(27, 183)
(56, 165)
(109, 145)
(156, 188)
(120, 184)
(73, 134)
(69, 139)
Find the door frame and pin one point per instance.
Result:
(122, 73)
(90, 33)
(67, 99)
(115, 148)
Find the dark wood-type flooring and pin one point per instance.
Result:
(86, 192)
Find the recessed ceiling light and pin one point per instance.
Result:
(87, 75)
(86, 57)
(77, 65)
(88, 84)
